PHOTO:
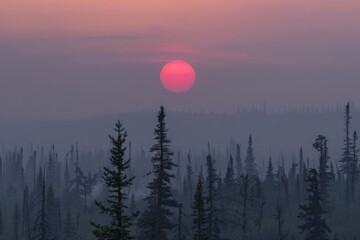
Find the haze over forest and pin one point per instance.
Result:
(274, 132)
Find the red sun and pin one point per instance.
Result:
(177, 76)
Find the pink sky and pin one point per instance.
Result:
(59, 54)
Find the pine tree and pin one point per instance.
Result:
(324, 173)
(199, 212)
(250, 165)
(270, 186)
(311, 212)
(189, 180)
(239, 167)
(210, 198)
(354, 166)
(270, 176)
(247, 185)
(156, 221)
(346, 159)
(229, 179)
(117, 182)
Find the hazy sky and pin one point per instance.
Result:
(75, 58)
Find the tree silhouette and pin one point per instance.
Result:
(117, 181)
(199, 212)
(156, 220)
(312, 213)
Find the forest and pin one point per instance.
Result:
(182, 195)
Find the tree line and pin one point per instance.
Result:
(52, 199)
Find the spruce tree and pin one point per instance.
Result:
(199, 212)
(324, 173)
(239, 166)
(210, 198)
(156, 220)
(229, 179)
(346, 159)
(354, 171)
(247, 186)
(189, 180)
(270, 176)
(250, 165)
(312, 213)
(117, 182)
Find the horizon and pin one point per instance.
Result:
(100, 57)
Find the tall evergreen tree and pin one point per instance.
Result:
(312, 213)
(117, 182)
(270, 176)
(250, 165)
(346, 157)
(354, 166)
(199, 212)
(239, 166)
(324, 173)
(156, 221)
(247, 186)
(189, 179)
(229, 179)
(210, 198)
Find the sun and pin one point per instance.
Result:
(177, 76)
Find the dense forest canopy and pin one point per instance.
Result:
(166, 192)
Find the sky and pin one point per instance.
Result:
(66, 59)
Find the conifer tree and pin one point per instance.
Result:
(354, 166)
(346, 159)
(156, 221)
(250, 165)
(324, 173)
(239, 167)
(270, 186)
(189, 179)
(270, 176)
(210, 198)
(312, 213)
(117, 182)
(247, 185)
(199, 212)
